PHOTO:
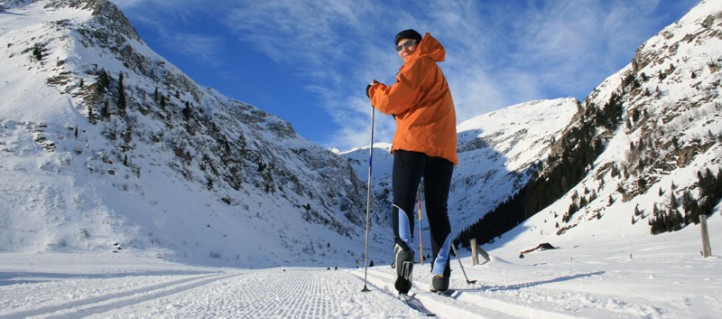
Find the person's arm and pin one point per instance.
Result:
(411, 83)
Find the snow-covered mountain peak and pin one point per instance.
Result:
(522, 132)
(657, 128)
(103, 141)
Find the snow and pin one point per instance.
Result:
(603, 277)
(182, 253)
(65, 188)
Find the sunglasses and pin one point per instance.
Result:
(406, 44)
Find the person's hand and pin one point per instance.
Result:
(369, 87)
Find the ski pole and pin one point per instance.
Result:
(421, 238)
(462, 266)
(368, 201)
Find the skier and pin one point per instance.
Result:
(424, 145)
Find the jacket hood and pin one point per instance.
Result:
(430, 47)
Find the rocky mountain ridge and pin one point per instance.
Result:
(644, 140)
(105, 144)
(113, 144)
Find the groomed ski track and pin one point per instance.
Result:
(60, 286)
(595, 280)
(271, 293)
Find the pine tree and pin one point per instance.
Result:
(710, 190)
(105, 111)
(103, 82)
(673, 204)
(121, 96)
(128, 136)
(38, 52)
(690, 207)
(658, 221)
(675, 219)
(91, 116)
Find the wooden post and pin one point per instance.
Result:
(474, 253)
(706, 249)
(483, 254)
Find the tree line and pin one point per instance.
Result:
(580, 145)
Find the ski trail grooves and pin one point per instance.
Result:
(271, 293)
(288, 295)
(311, 294)
(106, 302)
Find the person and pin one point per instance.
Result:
(424, 146)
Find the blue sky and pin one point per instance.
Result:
(308, 62)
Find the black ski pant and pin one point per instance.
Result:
(408, 169)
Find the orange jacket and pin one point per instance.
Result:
(421, 102)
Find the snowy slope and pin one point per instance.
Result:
(499, 151)
(662, 277)
(171, 169)
(671, 130)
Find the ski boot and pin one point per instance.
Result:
(439, 284)
(404, 262)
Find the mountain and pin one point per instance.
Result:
(643, 153)
(105, 144)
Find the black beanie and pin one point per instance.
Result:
(407, 34)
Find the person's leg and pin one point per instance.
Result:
(406, 175)
(437, 181)
(407, 171)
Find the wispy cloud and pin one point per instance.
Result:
(498, 52)
(308, 35)
(334, 44)
(206, 48)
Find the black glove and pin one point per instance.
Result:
(368, 87)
